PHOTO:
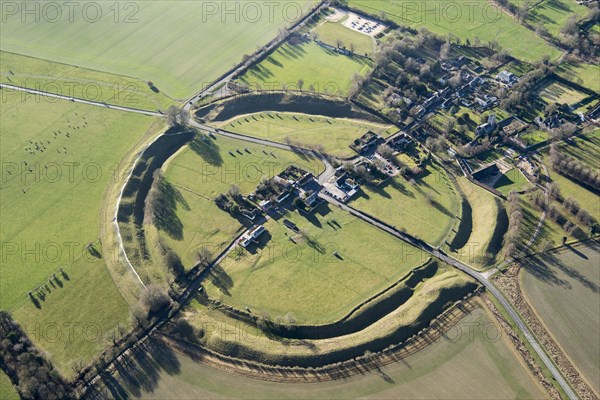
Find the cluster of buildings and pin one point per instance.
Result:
(292, 186)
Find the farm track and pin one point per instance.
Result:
(80, 101)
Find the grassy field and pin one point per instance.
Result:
(332, 32)
(512, 181)
(52, 194)
(299, 273)
(7, 390)
(441, 370)
(584, 74)
(405, 205)
(563, 290)
(561, 94)
(475, 21)
(52, 190)
(71, 323)
(553, 14)
(334, 134)
(200, 174)
(68, 80)
(484, 218)
(326, 70)
(152, 41)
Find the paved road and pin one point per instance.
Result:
(81, 101)
(471, 272)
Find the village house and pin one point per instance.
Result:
(251, 236)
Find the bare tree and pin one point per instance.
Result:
(235, 192)
(154, 299)
(445, 50)
(177, 116)
(204, 256)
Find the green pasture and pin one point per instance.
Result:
(404, 204)
(58, 159)
(553, 14)
(584, 149)
(180, 46)
(478, 20)
(556, 92)
(68, 80)
(325, 70)
(7, 390)
(333, 263)
(587, 75)
(334, 134)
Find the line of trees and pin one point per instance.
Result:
(574, 169)
(515, 219)
(31, 373)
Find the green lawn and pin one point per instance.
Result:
(441, 370)
(534, 137)
(154, 41)
(404, 205)
(465, 21)
(559, 93)
(334, 134)
(332, 32)
(512, 181)
(299, 273)
(201, 176)
(7, 390)
(89, 84)
(553, 14)
(326, 70)
(587, 75)
(563, 290)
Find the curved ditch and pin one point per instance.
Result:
(282, 102)
(361, 316)
(445, 297)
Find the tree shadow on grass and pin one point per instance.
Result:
(137, 372)
(221, 279)
(165, 209)
(540, 270)
(206, 148)
(435, 204)
(552, 260)
(399, 186)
